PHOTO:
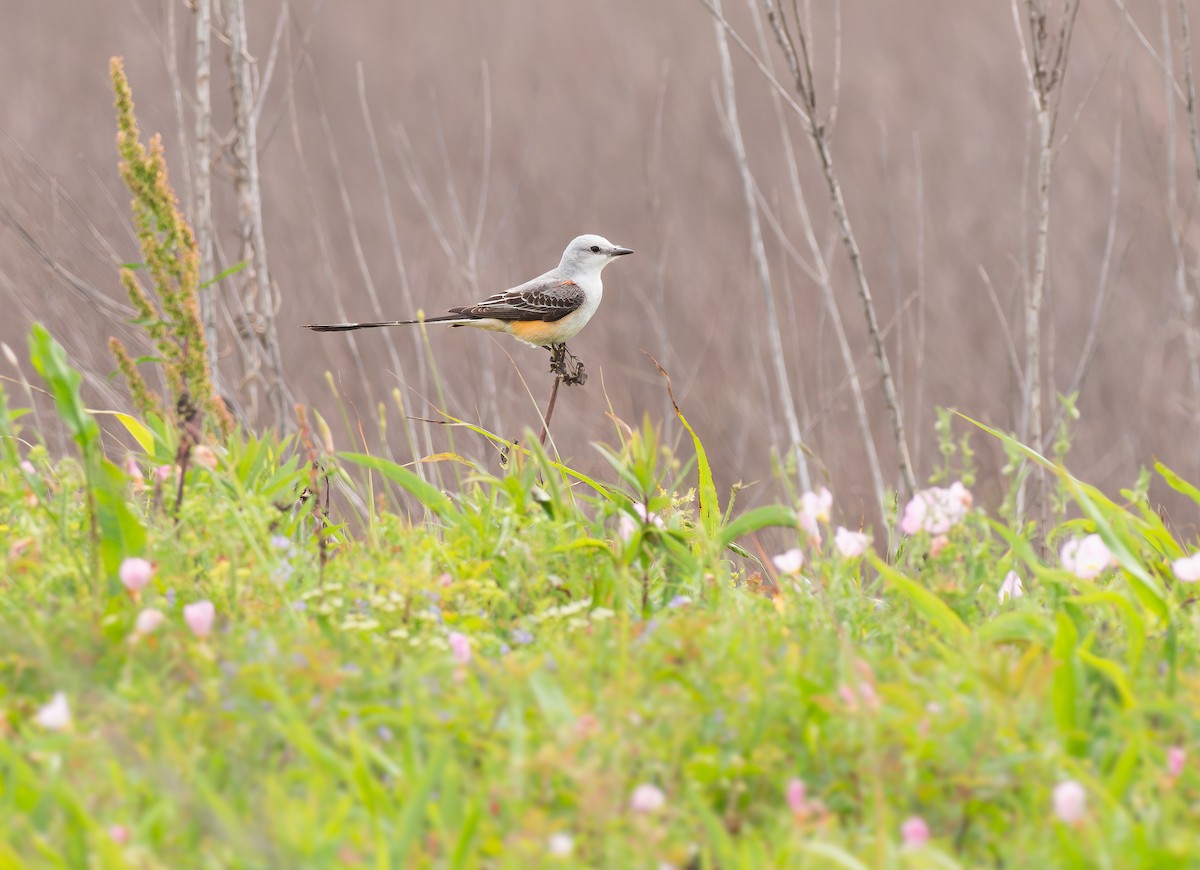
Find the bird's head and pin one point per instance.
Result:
(590, 253)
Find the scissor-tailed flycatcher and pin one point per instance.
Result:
(545, 312)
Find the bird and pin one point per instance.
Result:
(547, 311)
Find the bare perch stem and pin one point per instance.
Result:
(549, 411)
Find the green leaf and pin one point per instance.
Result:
(706, 492)
(1018, 626)
(50, 360)
(1177, 483)
(833, 856)
(1135, 573)
(929, 605)
(232, 270)
(753, 520)
(426, 493)
(139, 430)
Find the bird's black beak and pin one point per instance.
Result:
(620, 252)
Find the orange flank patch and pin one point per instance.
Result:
(537, 332)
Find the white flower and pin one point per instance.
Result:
(560, 844)
(1187, 569)
(936, 510)
(55, 716)
(817, 504)
(1011, 587)
(1091, 557)
(647, 798)
(1070, 802)
(850, 544)
(148, 620)
(627, 526)
(790, 562)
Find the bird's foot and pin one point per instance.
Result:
(566, 365)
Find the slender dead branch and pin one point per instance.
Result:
(799, 58)
(758, 249)
(260, 295)
(202, 197)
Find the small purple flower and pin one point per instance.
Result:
(279, 542)
(522, 637)
(679, 601)
(300, 605)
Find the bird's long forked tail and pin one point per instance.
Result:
(348, 327)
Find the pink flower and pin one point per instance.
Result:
(148, 620)
(119, 834)
(936, 510)
(1070, 802)
(848, 697)
(55, 716)
(796, 797)
(199, 618)
(647, 798)
(913, 520)
(627, 526)
(135, 573)
(204, 456)
(28, 468)
(939, 543)
(915, 833)
(817, 504)
(790, 562)
(1187, 569)
(134, 472)
(163, 473)
(460, 647)
(1176, 759)
(1011, 587)
(1088, 558)
(850, 544)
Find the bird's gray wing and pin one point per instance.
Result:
(547, 298)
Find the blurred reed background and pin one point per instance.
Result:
(436, 152)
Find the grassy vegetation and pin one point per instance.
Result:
(496, 680)
(201, 666)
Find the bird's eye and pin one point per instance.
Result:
(595, 249)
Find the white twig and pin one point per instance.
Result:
(759, 252)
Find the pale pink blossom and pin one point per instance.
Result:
(915, 832)
(460, 648)
(1187, 569)
(27, 467)
(134, 472)
(119, 834)
(163, 473)
(817, 504)
(55, 716)
(850, 544)
(560, 845)
(936, 510)
(135, 572)
(939, 543)
(1066, 555)
(1176, 759)
(647, 798)
(790, 562)
(627, 526)
(204, 456)
(1011, 587)
(148, 620)
(796, 797)
(199, 618)
(1088, 558)
(1070, 802)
